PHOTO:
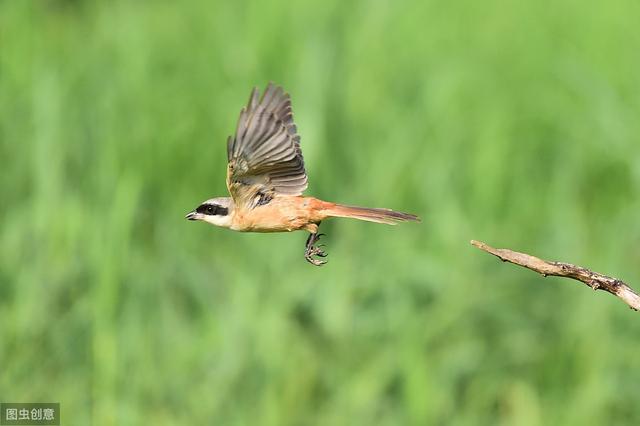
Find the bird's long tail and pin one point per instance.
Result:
(387, 216)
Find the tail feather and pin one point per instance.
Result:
(387, 216)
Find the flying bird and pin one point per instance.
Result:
(266, 178)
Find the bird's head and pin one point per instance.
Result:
(216, 211)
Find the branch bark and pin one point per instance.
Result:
(560, 269)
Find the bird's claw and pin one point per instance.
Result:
(312, 250)
(315, 262)
(318, 252)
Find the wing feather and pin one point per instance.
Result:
(264, 155)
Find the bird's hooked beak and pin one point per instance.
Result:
(192, 215)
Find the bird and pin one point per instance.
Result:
(266, 178)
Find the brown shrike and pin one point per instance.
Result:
(266, 179)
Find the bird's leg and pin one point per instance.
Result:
(312, 250)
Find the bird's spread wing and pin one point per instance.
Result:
(264, 155)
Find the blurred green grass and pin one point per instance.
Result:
(515, 123)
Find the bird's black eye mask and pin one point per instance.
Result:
(212, 210)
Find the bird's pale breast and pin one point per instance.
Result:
(281, 214)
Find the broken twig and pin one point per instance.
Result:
(560, 269)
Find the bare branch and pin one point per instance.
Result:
(560, 269)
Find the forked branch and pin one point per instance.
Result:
(560, 269)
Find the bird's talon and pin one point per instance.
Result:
(316, 262)
(313, 250)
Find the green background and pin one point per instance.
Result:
(515, 123)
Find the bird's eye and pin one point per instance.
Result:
(212, 209)
(208, 209)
